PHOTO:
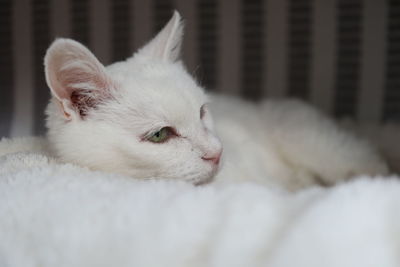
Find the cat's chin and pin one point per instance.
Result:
(204, 181)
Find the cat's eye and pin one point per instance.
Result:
(161, 135)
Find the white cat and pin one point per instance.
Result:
(146, 117)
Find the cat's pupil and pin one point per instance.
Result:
(157, 134)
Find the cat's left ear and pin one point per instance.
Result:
(167, 43)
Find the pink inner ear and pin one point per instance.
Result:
(76, 79)
(83, 102)
(75, 75)
(86, 92)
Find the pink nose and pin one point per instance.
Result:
(213, 158)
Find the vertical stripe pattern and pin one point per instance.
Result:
(229, 48)
(340, 55)
(60, 18)
(41, 40)
(207, 38)
(80, 24)
(252, 48)
(143, 22)
(6, 67)
(100, 31)
(23, 91)
(323, 55)
(348, 57)
(370, 97)
(276, 48)
(121, 29)
(300, 14)
(392, 87)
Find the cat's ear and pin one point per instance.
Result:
(167, 43)
(75, 77)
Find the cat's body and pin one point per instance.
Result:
(289, 143)
(146, 117)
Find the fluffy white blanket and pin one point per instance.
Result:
(61, 215)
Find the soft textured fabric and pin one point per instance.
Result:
(55, 214)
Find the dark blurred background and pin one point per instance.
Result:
(341, 55)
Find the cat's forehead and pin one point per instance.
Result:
(163, 91)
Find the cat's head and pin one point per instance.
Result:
(145, 117)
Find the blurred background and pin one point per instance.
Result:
(343, 56)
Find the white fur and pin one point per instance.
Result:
(284, 143)
(149, 91)
(290, 143)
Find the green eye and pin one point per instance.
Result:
(160, 136)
